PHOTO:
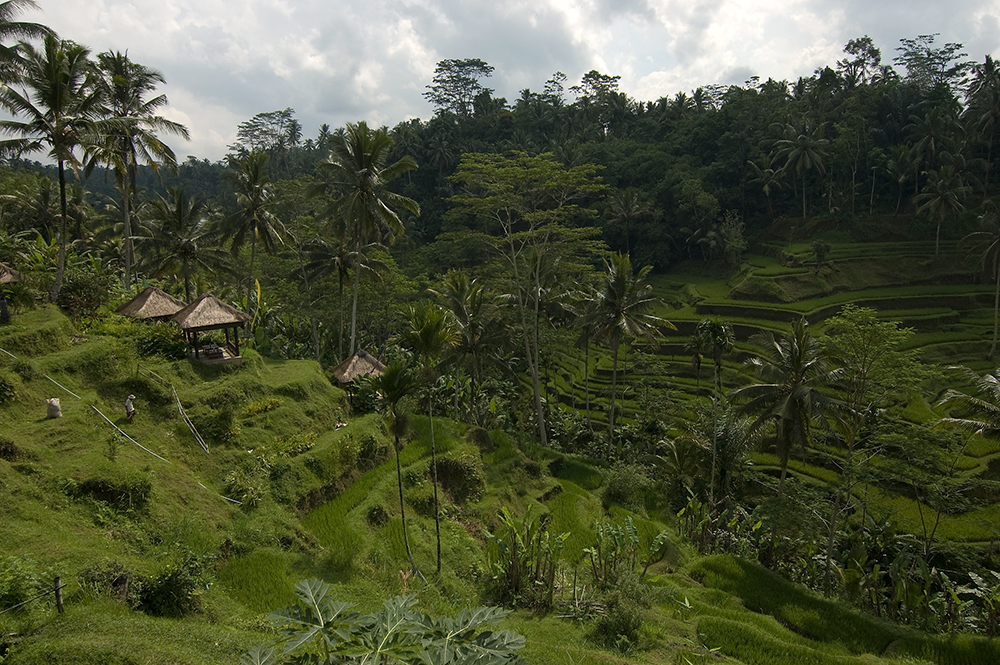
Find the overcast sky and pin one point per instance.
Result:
(338, 61)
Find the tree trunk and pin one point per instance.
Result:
(614, 389)
(61, 266)
(434, 466)
(402, 512)
(354, 308)
(253, 255)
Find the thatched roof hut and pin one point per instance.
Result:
(8, 275)
(152, 304)
(361, 363)
(209, 313)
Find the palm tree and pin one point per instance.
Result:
(983, 410)
(718, 336)
(254, 220)
(358, 177)
(793, 372)
(482, 331)
(626, 208)
(59, 105)
(176, 239)
(430, 333)
(942, 196)
(325, 258)
(10, 60)
(621, 313)
(985, 244)
(984, 106)
(803, 150)
(395, 384)
(125, 87)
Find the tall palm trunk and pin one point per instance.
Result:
(61, 266)
(615, 342)
(357, 288)
(253, 255)
(434, 467)
(402, 512)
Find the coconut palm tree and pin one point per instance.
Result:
(803, 150)
(942, 196)
(395, 384)
(126, 87)
(56, 110)
(621, 313)
(718, 337)
(357, 177)
(10, 60)
(176, 239)
(793, 373)
(430, 333)
(254, 220)
(323, 258)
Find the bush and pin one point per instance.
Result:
(121, 490)
(462, 477)
(84, 290)
(626, 485)
(8, 391)
(618, 628)
(176, 590)
(377, 516)
(19, 581)
(364, 396)
(371, 451)
(25, 370)
(8, 451)
(112, 579)
(161, 340)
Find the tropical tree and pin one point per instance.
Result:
(793, 373)
(125, 88)
(983, 109)
(57, 110)
(177, 240)
(430, 333)
(803, 150)
(395, 384)
(254, 220)
(717, 336)
(10, 59)
(985, 246)
(324, 258)
(357, 179)
(621, 313)
(626, 208)
(942, 196)
(482, 331)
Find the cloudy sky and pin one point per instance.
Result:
(338, 61)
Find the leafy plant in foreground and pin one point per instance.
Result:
(321, 630)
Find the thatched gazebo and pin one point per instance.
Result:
(152, 304)
(7, 276)
(360, 363)
(209, 313)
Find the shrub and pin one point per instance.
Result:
(462, 477)
(112, 579)
(8, 451)
(8, 391)
(84, 290)
(161, 340)
(25, 370)
(626, 485)
(377, 516)
(19, 581)
(176, 590)
(618, 628)
(364, 396)
(371, 451)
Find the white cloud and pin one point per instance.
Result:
(343, 60)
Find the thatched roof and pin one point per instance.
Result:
(8, 274)
(361, 363)
(152, 303)
(209, 313)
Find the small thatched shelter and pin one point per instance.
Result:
(8, 275)
(361, 363)
(209, 313)
(152, 304)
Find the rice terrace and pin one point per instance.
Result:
(567, 378)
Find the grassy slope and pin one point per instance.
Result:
(257, 554)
